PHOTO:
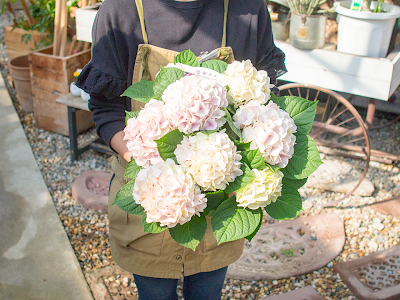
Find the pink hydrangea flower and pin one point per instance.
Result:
(194, 103)
(168, 194)
(141, 133)
(268, 128)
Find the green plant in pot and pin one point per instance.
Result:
(307, 24)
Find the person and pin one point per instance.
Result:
(156, 260)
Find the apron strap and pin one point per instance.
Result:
(226, 4)
(139, 6)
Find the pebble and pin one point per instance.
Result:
(367, 230)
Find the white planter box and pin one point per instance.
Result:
(84, 18)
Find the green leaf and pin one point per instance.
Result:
(167, 144)
(230, 122)
(287, 206)
(130, 115)
(242, 180)
(294, 183)
(305, 159)
(254, 159)
(302, 111)
(141, 91)
(242, 146)
(124, 200)
(231, 222)
(153, 227)
(191, 233)
(165, 77)
(273, 97)
(251, 236)
(216, 65)
(132, 169)
(187, 57)
(213, 200)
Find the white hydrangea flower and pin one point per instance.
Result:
(212, 159)
(194, 103)
(247, 84)
(272, 132)
(168, 194)
(264, 189)
(141, 133)
(250, 114)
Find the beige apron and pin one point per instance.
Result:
(158, 255)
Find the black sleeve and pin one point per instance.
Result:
(269, 57)
(105, 76)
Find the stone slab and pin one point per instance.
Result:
(91, 189)
(389, 206)
(111, 283)
(373, 277)
(306, 293)
(290, 248)
(340, 177)
(36, 257)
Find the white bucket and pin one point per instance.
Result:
(365, 33)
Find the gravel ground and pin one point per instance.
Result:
(367, 231)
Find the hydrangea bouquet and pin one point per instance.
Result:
(212, 142)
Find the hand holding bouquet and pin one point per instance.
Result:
(213, 142)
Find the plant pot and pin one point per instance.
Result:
(365, 33)
(19, 71)
(307, 32)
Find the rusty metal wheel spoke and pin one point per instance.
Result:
(338, 129)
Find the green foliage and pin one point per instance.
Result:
(254, 159)
(288, 252)
(124, 200)
(141, 91)
(165, 77)
(302, 112)
(153, 227)
(187, 57)
(305, 159)
(231, 222)
(216, 65)
(132, 169)
(168, 143)
(287, 206)
(191, 233)
(242, 180)
(231, 125)
(213, 200)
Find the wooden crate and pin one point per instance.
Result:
(51, 76)
(13, 40)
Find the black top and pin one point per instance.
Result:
(174, 25)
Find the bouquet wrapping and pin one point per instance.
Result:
(213, 142)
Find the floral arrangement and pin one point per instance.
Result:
(212, 142)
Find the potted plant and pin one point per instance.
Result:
(307, 24)
(367, 31)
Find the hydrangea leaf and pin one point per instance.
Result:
(132, 169)
(141, 91)
(301, 110)
(294, 183)
(254, 159)
(167, 144)
(251, 236)
(124, 200)
(242, 180)
(305, 159)
(231, 222)
(153, 227)
(216, 65)
(230, 122)
(165, 77)
(242, 146)
(191, 233)
(213, 200)
(273, 97)
(187, 57)
(130, 115)
(287, 206)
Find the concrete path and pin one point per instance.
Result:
(36, 258)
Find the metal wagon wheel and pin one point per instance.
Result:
(338, 130)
